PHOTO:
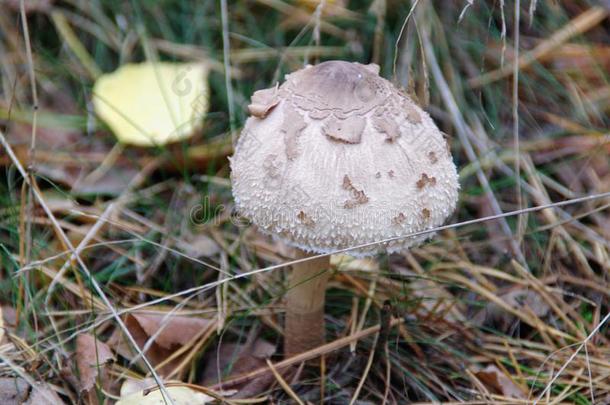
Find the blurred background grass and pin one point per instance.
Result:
(487, 307)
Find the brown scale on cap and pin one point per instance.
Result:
(273, 172)
(345, 89)
(432, 157)
(425, 180)
(292, 126)
(305, 219)
(399, 219)
(319, 114)
(348, 131)
(426, 213)
(387, 126)
(272, 168)
(358, 196)
(263, 101)
(447, 138)
(412, 115)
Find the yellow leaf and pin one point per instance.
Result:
(152, 104)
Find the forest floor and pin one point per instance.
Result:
(107, 250)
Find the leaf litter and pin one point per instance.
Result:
(464, 306)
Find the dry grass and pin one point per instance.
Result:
(508, 304)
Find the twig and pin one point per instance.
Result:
(385, 319)
(317, 17)
(521, 223)
(284, 384)
(388, 373)
(367, 305)
(353, 322)
(31, 75)
(402, 29)
(32, 151)
(75, 45)
(226, 52)
(379, 8)
(365, 373)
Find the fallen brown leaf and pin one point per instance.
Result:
(17, 391)
(172, 330)
(232, 359)
(43, 394)
(92, 355)
(520, 299)
(496, 381)
(169, 333)
(13, 391)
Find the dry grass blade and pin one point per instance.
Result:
(119, 263)
(75, 45)
(81, 264)
(578, 25)
(548, 387)
(312, 354)
(463, 131)
(284, 384)
(365, 373)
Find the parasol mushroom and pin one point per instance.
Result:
(333, 158)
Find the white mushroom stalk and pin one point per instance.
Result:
(336, 157)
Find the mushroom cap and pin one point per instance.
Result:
(338, 157)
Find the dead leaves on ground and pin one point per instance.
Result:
(521, 299)
(13, 390)
(92, 358)
(233, 359)
(17, 391)
(167, 340)
(160, 337)
(498, 382)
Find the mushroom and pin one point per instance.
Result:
(333, 158)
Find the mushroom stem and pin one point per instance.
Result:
(304, 324)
